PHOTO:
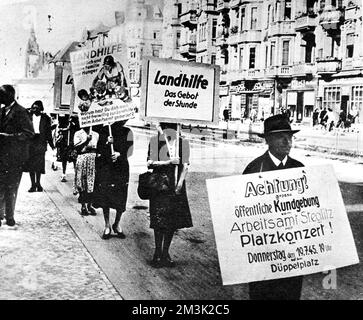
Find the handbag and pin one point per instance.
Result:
(152, 183)
(72, 153)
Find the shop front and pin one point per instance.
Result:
(301, 100)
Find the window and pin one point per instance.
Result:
(272, 54)
(132, 75)
(132, 54)
(356, 100)
(178, 39)
(156, 34)
(266, 56)
(155, 52)
(285, 52)
(214, 28)
(252, 58)
(213, 59)
(253, 18)
(179, 9)
(243, 15)
(287, 13)
(331, 98)
(268, 15)
(350, 45)
(241, 58)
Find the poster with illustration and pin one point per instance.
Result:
(102, 85)
(280, 224)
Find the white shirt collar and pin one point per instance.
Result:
(277, 161)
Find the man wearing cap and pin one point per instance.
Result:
(278, 135)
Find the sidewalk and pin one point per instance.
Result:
(41, 258)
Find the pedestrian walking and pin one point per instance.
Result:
(16, 130)
(315, 117)
(65, 152)
(278, 135)
(322, 117)
(112, 174)
(38, 145)
(169, 210)
(85, 143)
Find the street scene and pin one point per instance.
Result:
(143, 149)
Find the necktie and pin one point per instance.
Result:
(280, 166)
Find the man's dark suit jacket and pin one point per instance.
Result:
(14, 149)
(265, 163)
(276, 289)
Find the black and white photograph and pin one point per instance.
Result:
(195, 152)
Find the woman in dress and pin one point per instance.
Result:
(64, 143)
(112, 174)
(85, 142)
(169, 211)
(38, 146)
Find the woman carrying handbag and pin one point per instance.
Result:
(169, 209)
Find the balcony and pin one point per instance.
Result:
(305, 23)
(188, 50)
(331, 18)
(279, 71)
(328, 66)
(303, 69)
(222, 5)
(250, 36)
(189, 20)
(281, 28)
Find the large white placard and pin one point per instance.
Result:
(280, 224)
(179, 91)
(100, 80)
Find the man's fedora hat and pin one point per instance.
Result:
(277, 123)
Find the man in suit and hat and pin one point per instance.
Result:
(16, 129)
(278, 135)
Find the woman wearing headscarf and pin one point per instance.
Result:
(169, 211)
(38, 146)
(112, 174)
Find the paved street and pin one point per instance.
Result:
(67, 249)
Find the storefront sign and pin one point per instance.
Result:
(179, 91)
(101, 85)
(280, 224)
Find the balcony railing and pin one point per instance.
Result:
(281, 28)
(305, 23)
(189, 20)
(280, 71)
(302, 69)
(188, 49)
(328, 66)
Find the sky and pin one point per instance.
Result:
(68, 20)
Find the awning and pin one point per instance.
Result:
(309, 98)
(291, 98)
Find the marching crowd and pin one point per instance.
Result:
(100, 157)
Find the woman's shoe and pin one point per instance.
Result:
(39, 188)
(167, 262)
(156, 262)
(32, 189)
(84, 211)
(106, 235)
(63, 178)
(91, 211)
(119, 234)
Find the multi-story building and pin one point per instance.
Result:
(279, 54)
(139, 28)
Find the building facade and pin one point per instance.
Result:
(139, 28)
(278, 55)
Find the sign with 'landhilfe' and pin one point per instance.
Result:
(280, 224)
(179, 91)
(102, 87)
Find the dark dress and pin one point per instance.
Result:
(64, 142)
(168, 211)
(38, 146)
(112, 178)
(276, 289)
